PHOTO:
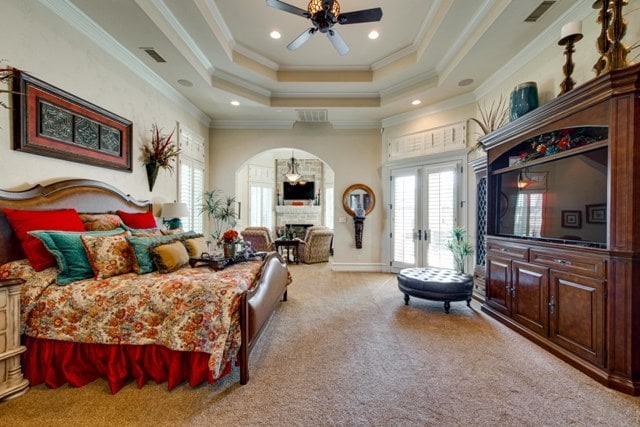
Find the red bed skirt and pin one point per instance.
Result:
(58, 362)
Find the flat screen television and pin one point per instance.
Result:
(563, 199)
(300, 191)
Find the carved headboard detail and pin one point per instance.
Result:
(84, 195)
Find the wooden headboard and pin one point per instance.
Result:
(85, 195)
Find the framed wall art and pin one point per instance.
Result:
(572, 219)
(596, 214)
(51, 122)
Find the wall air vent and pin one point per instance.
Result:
(313, 116)
(152, 53)
(539, 11)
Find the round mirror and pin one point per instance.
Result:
(358, 200)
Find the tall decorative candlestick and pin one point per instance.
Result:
(604, 18)
(616, 31)
(571, 33)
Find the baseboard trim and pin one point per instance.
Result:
(357, 267)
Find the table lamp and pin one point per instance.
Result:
(171, 214)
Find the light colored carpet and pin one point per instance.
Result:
(345, 350)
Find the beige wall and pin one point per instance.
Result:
(37, 41)
(353, 155)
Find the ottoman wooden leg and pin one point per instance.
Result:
(406, 299)
(447, 305)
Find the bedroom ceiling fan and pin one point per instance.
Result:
(324, 14)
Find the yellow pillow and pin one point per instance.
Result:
(196, 246)
(169, 257)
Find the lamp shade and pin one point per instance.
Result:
(174, 210)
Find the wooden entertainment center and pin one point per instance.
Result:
(576, 296)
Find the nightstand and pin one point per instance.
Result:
(12, 383)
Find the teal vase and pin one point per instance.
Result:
(524, 98)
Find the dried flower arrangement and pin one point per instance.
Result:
(162, 151)
(492, 118)
(6, 76)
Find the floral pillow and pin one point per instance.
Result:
(100, 222)
(109, 255)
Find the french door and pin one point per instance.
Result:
(425, 209)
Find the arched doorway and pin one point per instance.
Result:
(266, 199)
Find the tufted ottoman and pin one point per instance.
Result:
(436, 284)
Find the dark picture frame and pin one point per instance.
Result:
(51, 122)
(596, 214)
(572, 219)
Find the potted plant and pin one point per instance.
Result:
(460, 248)
(220, 209)
(159, 153)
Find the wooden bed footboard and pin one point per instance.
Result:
(258, 305)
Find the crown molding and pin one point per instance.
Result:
(82, 23)
(448, 104)
(251, 124)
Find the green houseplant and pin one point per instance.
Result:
(221, 209)
(460, 248)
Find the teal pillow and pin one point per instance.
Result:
(141, 246)
(68, 251)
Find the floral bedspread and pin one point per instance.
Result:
(192, 309)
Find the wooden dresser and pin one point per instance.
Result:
(580, 301)
(12, 383)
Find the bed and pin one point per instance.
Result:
(65, 347)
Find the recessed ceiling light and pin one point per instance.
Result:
(373, 35)
(465, 82)
(275, 35)
(235, 103)
(416, 102)
(185, 83)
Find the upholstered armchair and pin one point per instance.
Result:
(316, 246)
(259, 237)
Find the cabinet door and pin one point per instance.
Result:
(576, 306)
(530, 284)
(498, 284)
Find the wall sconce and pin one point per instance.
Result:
(523, 181)
(171, 214)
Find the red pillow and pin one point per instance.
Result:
(23, 221)
(138, 220)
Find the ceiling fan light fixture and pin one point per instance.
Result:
(316, 6)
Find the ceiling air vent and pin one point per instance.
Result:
(152, 53)
(313, 116)
(539, 11)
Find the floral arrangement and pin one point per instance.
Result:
(162, 150)
(565, 139)
(230, 236)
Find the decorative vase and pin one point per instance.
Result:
(524, 98)
(152, 173)
(229, 250)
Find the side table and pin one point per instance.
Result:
(12, 383)
(281, 245)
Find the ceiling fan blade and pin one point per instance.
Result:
(338, 42)
(366, 15)
(299, 41)
(288, 8)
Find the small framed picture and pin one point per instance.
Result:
(596, 214)
(572, 219)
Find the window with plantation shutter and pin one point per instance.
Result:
(404, 215)
(191, 178)
(261, 205)
(441, 214)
